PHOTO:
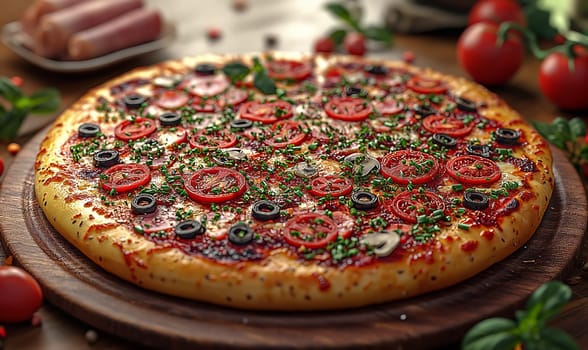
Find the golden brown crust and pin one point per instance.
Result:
(280, 281)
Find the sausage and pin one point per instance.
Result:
(133, 28)
(34, 13)
(56, 28)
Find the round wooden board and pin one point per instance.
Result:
(81, 288)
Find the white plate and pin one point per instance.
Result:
(13, 37)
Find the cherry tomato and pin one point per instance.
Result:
(288, 70)
(134, 129)
(426, 85)
(1, 166)
(407, 166)
(125, 177)
(354, 44)
(473, 170)
(350, 109)
(409, 205)
(20, 294)
(285, 133)
(453, 127)
(215, 185)
(483, 59)
(310, 230)
(172, 99)
(332, 185)
(212, 139)
(497, 11)
(324, 45)
(267, 113)
(565, 88)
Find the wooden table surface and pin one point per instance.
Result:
(295, 24)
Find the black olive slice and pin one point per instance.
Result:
(376, 70)
(303, 169)
(507, 136)
(478, 150)
(475, 200)
(189, 229)
(424, 110)
(355, 91)
(170, 119)
(241, 124)
(444, 140)
(134, 101)
(205, 69)
(265, 210)
(363, 164)
(106, 158)
(364, 200)
(143, 203)
(88, 130)
(466, 105)
(240, 234)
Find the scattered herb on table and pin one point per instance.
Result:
(18, 106)
(530, 327)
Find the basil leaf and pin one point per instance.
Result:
(342, 13)
(577, 127)
(44, 101)
(378, 34)
(264, 83)
(550, 132)
(584, 153)
(557, 339)
(338, 35)
(551, 297)
(10, 123)
(538, 22)
(494, 333)
(10, 92)
(236, 71)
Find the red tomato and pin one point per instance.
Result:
(473, 170)
(285, 133)
(205, 105)
(565, 88)
(172, 99)
(267, 113)
(453, 127)
(125, 177)
(409, 205)
(497, 11)
(20, 294)
(483, 59)
(426, 85)
(354, 44)
(324, 45)
(135, 129)
(215, 185)
(406, 166)
(212, 139)
(310, 230)
(332, 185)
(1, 166)
(288, 70)
(350, 109)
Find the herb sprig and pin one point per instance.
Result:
(530, 327)
(567, 135)
(237, 71)
(372, 32)
(19, 106)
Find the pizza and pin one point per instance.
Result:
(292, 182)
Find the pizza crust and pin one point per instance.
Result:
(281, 281)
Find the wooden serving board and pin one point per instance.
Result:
(82, 289)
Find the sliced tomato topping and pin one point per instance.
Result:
(453, 127)
(267, 113)
(285, 133)
(407, 166)
(212, 139)
(215, 185)
(125, 177)
(389, 107)
(233, 97)
(172, 99)
(473, 170)
(409, 205)
(204, 105)
(134, 129)
(206, 86)
(288, 70)
(348, 108)
(310, 230)
(331, 185)
(425, 85)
